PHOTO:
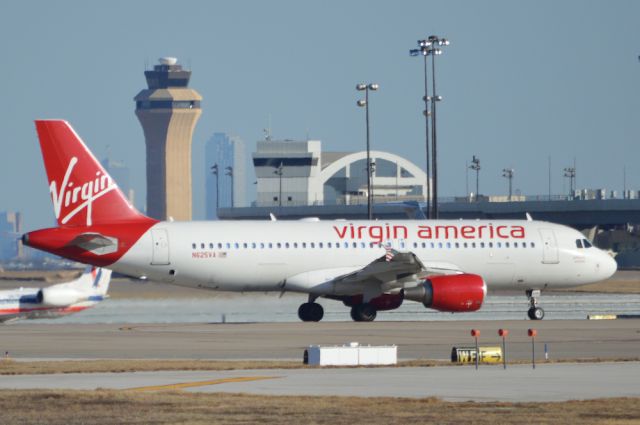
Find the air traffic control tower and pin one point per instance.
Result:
(168, 111)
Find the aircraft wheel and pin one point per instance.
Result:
(310, 312)
(536, 313)
(363, 313)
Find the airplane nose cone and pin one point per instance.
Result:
(608, 266)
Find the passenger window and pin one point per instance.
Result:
(245, 245)
(457, 245)
(465, 245)
(210, 245)
(236, 245)
(533, 245)
(329, 245)
(346, 244)
(506, 244)
(261, 245)
(202, 245)
(587, 244)
(448, 244)
(355, 245)
(481, 244)
(194, 246)
(524, 244)
(490, 244)
(424, 244)
(253, 245)
(578, 243)
(270, 245)
(439, 244)
(515, 244)
(499, 244)
(304, 244)
(228, 245)
(473, 244)
(286, 244)
(319, 244)
(219, 245)
(415, 244)
(312, 245)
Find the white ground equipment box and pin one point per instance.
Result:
(352, 354)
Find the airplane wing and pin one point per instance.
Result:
(393, 270)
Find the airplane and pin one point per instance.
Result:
(370, 266)
(56, 300)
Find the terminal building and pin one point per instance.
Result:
(298, 173)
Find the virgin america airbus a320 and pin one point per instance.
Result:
(370, 266)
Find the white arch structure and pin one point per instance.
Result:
(418, 176)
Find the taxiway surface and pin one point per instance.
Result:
(564, 339)
(548, 382)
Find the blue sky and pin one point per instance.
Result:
(520, 81)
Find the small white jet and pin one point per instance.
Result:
(368, 265)
(56, 300)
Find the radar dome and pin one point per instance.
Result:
(168, 61)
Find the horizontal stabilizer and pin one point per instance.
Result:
(95, 243)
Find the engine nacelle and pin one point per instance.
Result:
(451, 293)
(59, 297)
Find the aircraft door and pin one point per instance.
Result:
(550, 254)
(160, 253)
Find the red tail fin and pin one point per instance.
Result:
(81, 190)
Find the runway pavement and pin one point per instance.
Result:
(565, 339)
(548, 382)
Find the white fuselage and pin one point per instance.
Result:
(272, 255)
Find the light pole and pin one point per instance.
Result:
(435, 51)
(278, 172)
(508, 174)
(423, 49)
(365, 103)
(475, 165)
(229, 172)
(570, 172)
(214, 171)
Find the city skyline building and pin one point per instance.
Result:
(10, 231)
(224, 151)
(168, 111)
(121, 174)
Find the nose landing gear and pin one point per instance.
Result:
(535, 312)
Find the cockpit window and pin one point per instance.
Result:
(578, 243)
(587, 244)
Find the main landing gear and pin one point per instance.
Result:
(311, 311)
(535, 312)
(364, 312)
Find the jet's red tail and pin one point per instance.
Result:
(82, 192)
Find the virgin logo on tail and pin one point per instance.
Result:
(78, 196)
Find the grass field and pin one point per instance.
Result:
(120, 407)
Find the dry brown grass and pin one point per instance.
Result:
(12, 367)
(611, 287)
(118, 407)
